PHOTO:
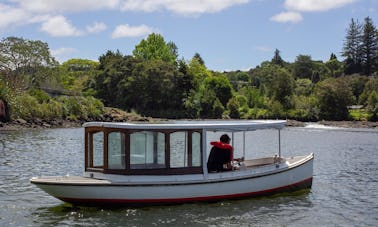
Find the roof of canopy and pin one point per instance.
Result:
(209, 125)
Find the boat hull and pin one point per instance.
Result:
(217, 186)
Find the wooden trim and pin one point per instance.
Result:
(167, 170)
(163, 171)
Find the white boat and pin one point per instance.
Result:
(140, 164)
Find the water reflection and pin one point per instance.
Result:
(225, 213)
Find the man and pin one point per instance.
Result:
(221, 155)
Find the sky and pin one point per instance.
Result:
(228, 34)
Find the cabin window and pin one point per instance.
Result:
(116, 150)
(97, 149)
(147, 150)
(178, 149)
(196, 149)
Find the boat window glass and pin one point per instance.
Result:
(147, 150)
(196, 149)
(178, 149)
(98, 146)
(116, 150)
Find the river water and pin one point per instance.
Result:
(344, 192)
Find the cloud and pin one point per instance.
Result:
(183, 7)
(10, 16)
(287, 17)
(58, 26)
(96, 27)
(315, 5)
(44, 6)
(63, 51)
(126, 30)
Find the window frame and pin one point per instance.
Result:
(168, 170)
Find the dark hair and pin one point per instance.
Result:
(225, 138)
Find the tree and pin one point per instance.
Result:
(352, 48)
(23, 62)
(277, 60)
(334, 95)
(369, 46)
(335, 67)
(199, 58)
(303, 67)
(283, 88)
(221, 87)
(155, 48)
(114, 67)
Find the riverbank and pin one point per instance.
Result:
(110, 115)
(116, 115)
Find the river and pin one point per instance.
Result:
(344, 192)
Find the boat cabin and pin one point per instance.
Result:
(154, 149)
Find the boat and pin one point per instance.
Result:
(142, 164)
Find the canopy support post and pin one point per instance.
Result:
(244, 144)
(279, 143)
(204, 154)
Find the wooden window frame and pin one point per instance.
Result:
(89, 131)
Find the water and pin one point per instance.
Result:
(344, 192)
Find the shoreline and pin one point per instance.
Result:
(20, 124)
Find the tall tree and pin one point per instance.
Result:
(303, 67)
(22, 61)
(352, 48)
(199, 58)
(277, 58)
(369, 46)
(154, 47)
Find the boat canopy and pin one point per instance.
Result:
(208, 125)
(162, 148)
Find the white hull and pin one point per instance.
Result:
(293, 174)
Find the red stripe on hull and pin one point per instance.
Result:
(145, 202)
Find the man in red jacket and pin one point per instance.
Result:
(221, 155)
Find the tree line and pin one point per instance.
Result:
(153, 81)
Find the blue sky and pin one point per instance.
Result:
(228, 34)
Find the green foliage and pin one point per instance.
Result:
(303, 87)
(233, 106)
(283, 88)
(303, 67)
(372, 106)
(221, 87)
(81, 108)
(155, 48)
(370, 86)
(209, 105)
(359, 115)
(333, 98)
(22, 61)
(40, 95)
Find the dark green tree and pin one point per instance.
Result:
(199, 58)
(283, 88)
(303, 67)
(277, 59)
(369, 46)
(334, 95)
(221, 87)
(352, 50)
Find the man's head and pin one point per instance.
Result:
(225, 138)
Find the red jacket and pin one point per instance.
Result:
(225, 146)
